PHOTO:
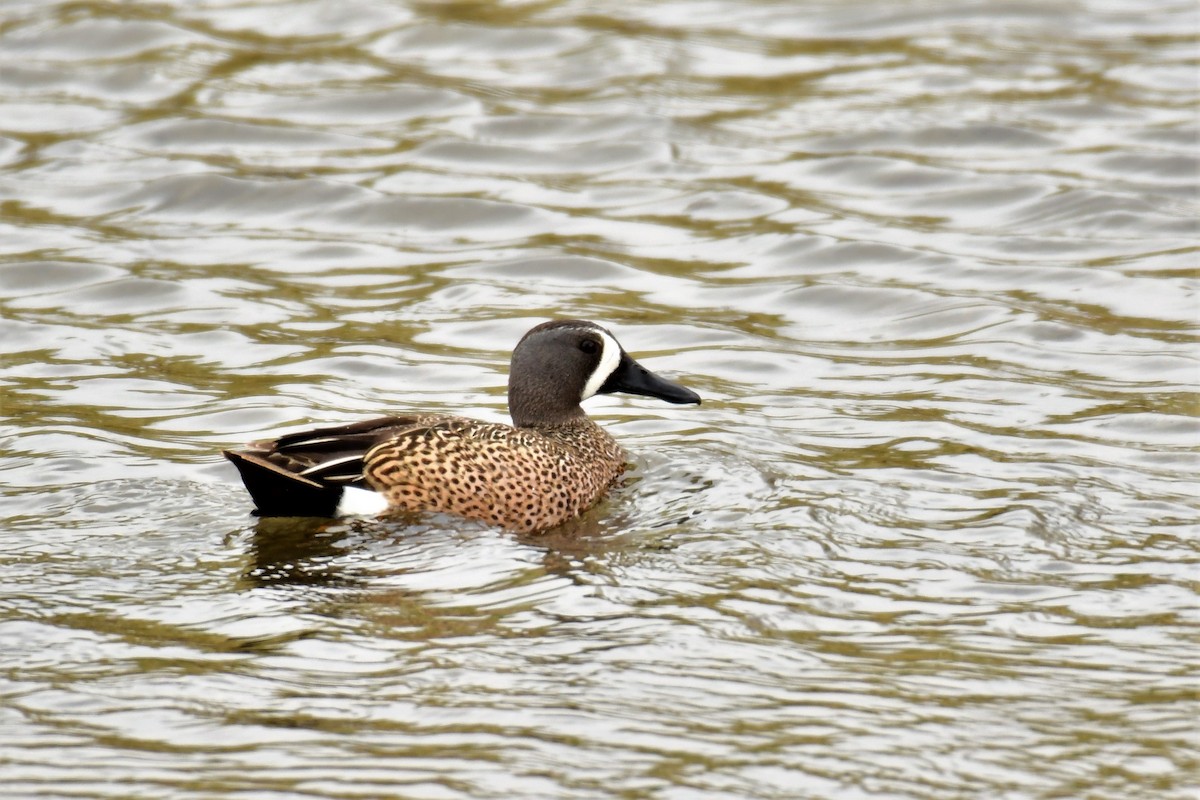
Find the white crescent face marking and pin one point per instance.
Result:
(610, 357)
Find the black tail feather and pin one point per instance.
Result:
(279, 493)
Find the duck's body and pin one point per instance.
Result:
(547, 468)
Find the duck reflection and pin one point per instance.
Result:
(302, 551)
(352, 554)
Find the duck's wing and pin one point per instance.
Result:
(304, 474)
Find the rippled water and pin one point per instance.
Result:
(933, 533)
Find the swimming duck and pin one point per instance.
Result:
(549, 466)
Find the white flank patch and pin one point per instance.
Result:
(610, 357)
(357, 502)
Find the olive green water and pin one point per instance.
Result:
(933, 533)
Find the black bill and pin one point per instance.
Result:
(632, 378)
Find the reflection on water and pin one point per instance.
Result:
(932, 266)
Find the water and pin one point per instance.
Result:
(933, 533)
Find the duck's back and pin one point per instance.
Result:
(525, 479)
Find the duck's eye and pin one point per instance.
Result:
(589, 346)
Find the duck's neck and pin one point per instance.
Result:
(530, 408)
(540, 394)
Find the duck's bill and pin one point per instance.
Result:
(632, 378)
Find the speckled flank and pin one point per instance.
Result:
(525, 479)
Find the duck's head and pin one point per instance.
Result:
(559, 364)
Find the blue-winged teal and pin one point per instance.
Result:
(549, 466)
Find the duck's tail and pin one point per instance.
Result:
(280, 493)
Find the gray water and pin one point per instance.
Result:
(932, 266)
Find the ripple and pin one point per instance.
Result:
(587, 158)
(975, 140)
(533, 128)
(28, 118)
(307, 18)
(45, 276)
(562, 270)
(223, 136)
(359, 108)
(453, 43)
(95, 39)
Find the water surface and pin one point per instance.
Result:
(933, 533)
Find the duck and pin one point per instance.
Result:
(549, 466)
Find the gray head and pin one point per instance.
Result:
(561, 363)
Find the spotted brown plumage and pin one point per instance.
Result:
(525, 479)
(548, 467)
